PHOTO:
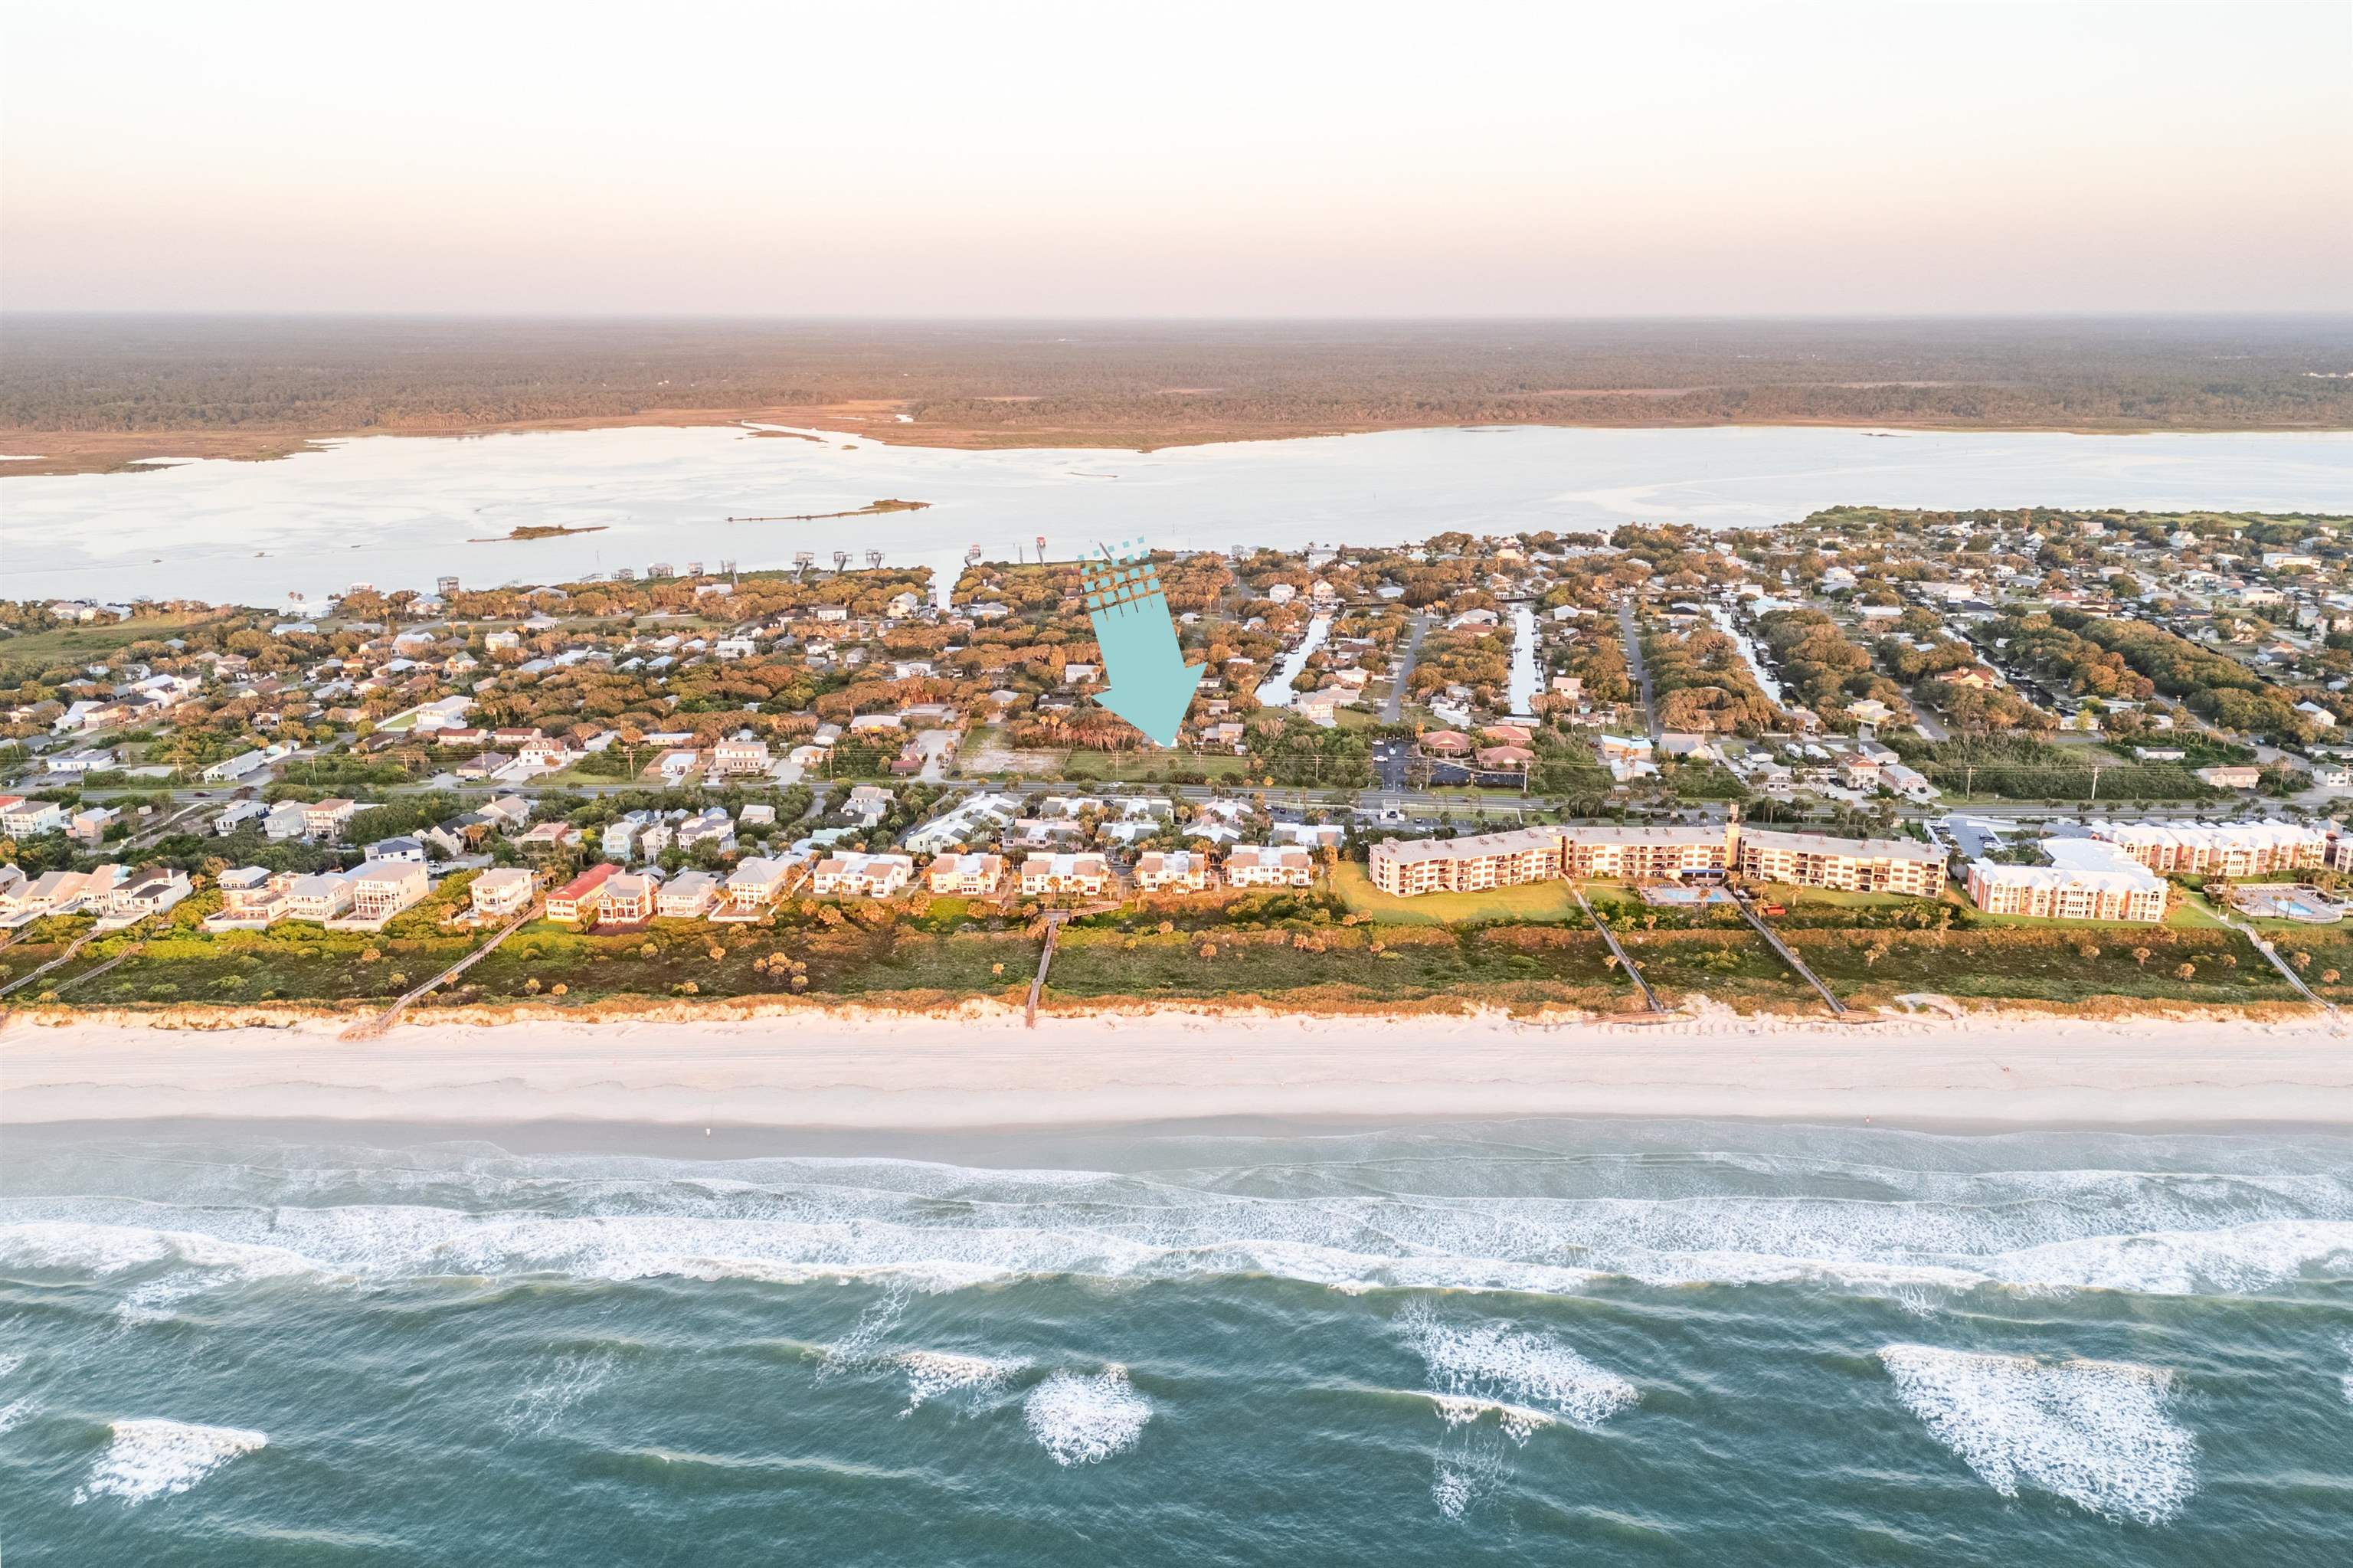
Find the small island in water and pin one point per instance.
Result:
(538, 531)
(870, 509)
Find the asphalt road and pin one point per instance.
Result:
(1635, 667)
(1393, 709)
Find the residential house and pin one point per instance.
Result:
(755, 883)
(1162, 871)
(325, 820)
(1269, 865)
(251, 899)
(502, 891)
(89, 826)
(860, 875)
(23, 819)
(318, 896)
(383, 888)
(151, 891)
(689, 895)
(1083, 873)
(577, 901)
(970, 875)
(712, 825)
(740, 756)
(626, 899)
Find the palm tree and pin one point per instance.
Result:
(2140, 957)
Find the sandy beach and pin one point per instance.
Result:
(909, 1073)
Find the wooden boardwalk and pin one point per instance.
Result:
(1650, 997)
(65, 957)
(1054, 918)
(1789, 957)
(369, 1028)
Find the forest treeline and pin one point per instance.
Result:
(1006, 382)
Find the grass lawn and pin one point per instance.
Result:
(1836, 897)
(1530, 901)
(1127, 767)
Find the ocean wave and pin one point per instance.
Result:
(1517, 1420)
(1086, 1420)
(935, 1375)
(2099, 1434)
(1496, 1366)
(153, 1458)
(944, 1227)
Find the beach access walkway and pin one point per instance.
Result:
(65, 957)
(1789, 957)
(369, 1028)
(1054, 918)
(1618, 950)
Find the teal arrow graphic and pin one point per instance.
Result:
(1151, 685)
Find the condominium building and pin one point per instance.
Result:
(971, 876)
(1086, 873)
(2087, 879)
(1162, 871)
(1269, 865)
(1644, 854)
(1465, 864)
(2226, 850)
(1858, 866)
(864, 875)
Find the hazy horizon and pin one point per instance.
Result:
(1706, 161)
(1433, 319)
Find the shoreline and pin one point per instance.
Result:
(978, 1071)
(58, 454)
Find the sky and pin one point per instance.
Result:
(1113, 159)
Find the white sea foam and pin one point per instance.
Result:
(932, 1374)
(556, 1388)
(1084, 1420)
(1497, 1365)
(210, 1261)
(1452, 1491)
(1918, 1235)
(873, 1325)
(157, 1459)
(2099, 1434)
(13, 1414)
(2345, 1382)
(1518, 1422)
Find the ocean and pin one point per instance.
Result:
(1607, 1342)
